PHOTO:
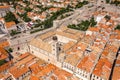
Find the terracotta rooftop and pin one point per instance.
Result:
(4, 76)
(68, 35)
(47, 69)
(40, 41)
(52, 77)
(1, 76)
(25, 60)
(95, 49)
(42, 16)
(105, 53)
(116, 73)
(18, 72)
(88, 39)
(115, 36)
(41, 62)
(103, 68)
(112, 48)
(118, 60)
(33, 77)
(41, 44)
(3, 53)
(72, 59)
(71, 31)
(94, 29)
(10, 24)
(62, 28)
(5, 66)
(117, 31)
(36, 68)
(47, 35)
(81, 46)
(68, 45)
(4, 7)
(87, 62)
(4, 44)
(61, 74)
(22, 56)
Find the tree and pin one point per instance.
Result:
(107, 1)
(2, 62)
(28, 9)
(10, 50)
(81, 26)
(107, 17)
(39, 6)
(84, 25)
(117, 27)
(7, 1)
(26, 2)
(13, 32)
(92, 22)
(80, 4)
(10, 17)
(115, 2)
(25, 17)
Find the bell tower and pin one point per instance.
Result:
(55, 47)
